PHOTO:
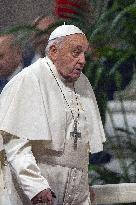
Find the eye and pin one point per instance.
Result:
(76, 53)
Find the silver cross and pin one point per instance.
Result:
(75, 134)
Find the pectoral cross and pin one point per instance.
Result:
(75, 134)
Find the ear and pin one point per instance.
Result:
(53, 52)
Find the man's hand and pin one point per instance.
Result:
(45, 196)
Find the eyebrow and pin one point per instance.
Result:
(79, 47)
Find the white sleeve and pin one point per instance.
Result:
(22, 162)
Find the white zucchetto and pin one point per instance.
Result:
(64, 30)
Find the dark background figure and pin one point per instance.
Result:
(35, 46)
(10, 59)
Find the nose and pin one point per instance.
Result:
(82, 59)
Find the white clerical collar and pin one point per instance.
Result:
(18, 69)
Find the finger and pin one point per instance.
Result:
(50, 198)
(50, 202)
(35, 200)
(46, 197)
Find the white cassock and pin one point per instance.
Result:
(36, 123)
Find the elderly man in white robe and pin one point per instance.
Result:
(50, 122)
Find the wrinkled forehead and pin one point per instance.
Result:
(74, 40)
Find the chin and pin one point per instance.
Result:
(73, 79)
(76, 76)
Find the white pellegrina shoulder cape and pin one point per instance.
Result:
(32, 107)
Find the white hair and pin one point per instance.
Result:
(56, 41)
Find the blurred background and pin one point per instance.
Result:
(110, 26)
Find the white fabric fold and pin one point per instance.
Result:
(23, 164)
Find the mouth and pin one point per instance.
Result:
(78, 71)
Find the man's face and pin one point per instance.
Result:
(70, 56)
(9, 57)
